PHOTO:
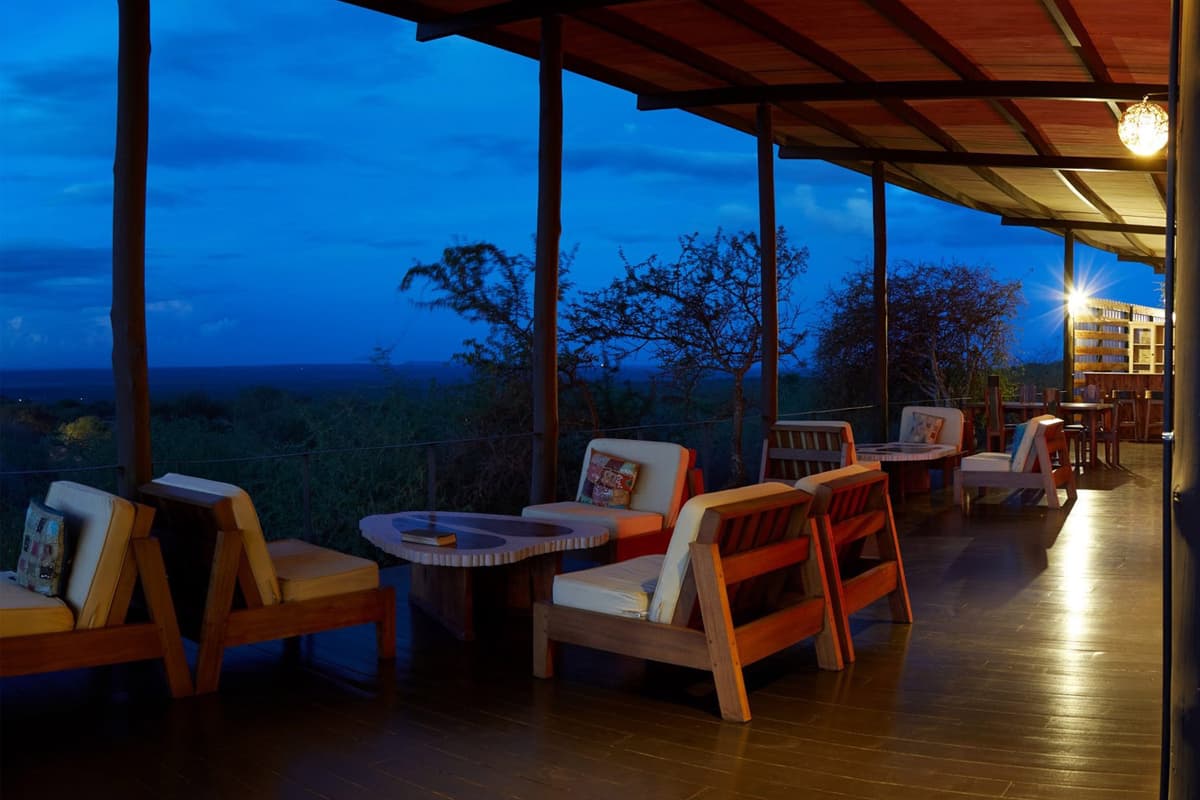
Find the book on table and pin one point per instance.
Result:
(426, 536)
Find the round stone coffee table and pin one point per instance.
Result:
(443, 577)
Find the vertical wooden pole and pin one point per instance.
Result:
(879, 207)
(545, 290)
(768, 252)
(1068, 370)
(128, 315)
(1184, 398)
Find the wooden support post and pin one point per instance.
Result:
(878, 185)
(128, 316)
(770, 268)
(545, 290)
(1183, 637)
(1068, 370)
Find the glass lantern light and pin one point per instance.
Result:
(1143, 127)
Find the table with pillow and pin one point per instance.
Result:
(930, 438)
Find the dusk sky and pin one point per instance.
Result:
(304, 155)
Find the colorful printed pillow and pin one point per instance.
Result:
(925, 428)
(45, 552)
(609, 481)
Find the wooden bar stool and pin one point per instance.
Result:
(1154, 415)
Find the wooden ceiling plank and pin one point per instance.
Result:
(997, 160)
(499, 14)
(914, 26)
(1080, 91)
(1069, 23)
(773, 30)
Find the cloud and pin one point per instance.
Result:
(217, 326)
(101, 193)
(624, 159)
(35, 268)
(195, 145)
(14, 323)
(178, 307)
(68, 83)
(832, 210)
(737, 213)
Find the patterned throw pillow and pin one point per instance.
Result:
(45, 552)
(609, 481)
(925, 428)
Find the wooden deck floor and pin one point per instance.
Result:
(1032, 671)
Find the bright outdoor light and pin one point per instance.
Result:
(1143, 128)
(1076, 302)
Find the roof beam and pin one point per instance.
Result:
(906, 20)
(1084, 91)
(505, 13)
(943, 158)
(1083, 225)
(755, 19)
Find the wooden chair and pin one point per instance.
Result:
(90, 626)
(795, 450)
(667, 477)
(285, 588)
(1153, 423)
(998, 432)
(717, 599)
(851, 506)
(1031, 466)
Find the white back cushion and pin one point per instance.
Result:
(952, 427)
(659, 484)
(246, 519)
(687, 528)
(1024, 456)
(101, 524)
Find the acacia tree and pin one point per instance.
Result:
(948, 326)
(485, 285)
(697, 316)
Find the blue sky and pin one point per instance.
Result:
(303, 156)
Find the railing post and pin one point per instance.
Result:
(431, 477)
(306, 488)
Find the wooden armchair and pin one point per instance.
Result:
(89, 625)
(667, 478)
(794, 450)
(850, 507)
(717, 599)
(286, 588)
(1032, 464)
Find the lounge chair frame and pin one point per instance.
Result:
(856, 509)
(117, 641)
(193, 513)
(1039, 472)
(739, 547)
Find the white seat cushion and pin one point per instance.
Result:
(247, 521)
(306, 570)
(621, 522)
(24, 612)
(987, 462)
(622, 589)
(101, 524)
(678, 556)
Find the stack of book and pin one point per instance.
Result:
(430, 536)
